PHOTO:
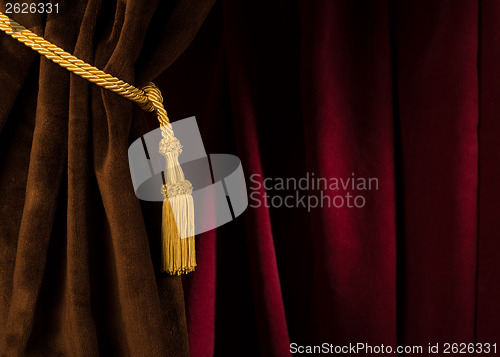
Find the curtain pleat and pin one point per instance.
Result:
(404, 92)
(401, 92)
(77, 275)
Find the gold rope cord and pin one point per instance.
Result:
(178, 214)
(148, 98)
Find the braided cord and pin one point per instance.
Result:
(148, 97)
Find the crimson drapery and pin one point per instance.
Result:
(76, 273)
(403, 91)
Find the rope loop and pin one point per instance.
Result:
(155, 103)
(155, 99)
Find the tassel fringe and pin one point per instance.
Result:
(179, 256)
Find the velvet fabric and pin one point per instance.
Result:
(405, 91)
(76, 274)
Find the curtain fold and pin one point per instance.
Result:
(437, 88)
(488, 267)
(77, 275)
(405, 92)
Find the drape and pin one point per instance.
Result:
(404, 91)
(76, 273)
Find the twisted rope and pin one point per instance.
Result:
(148, 97)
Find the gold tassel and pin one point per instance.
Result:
(178, 245)
(179, 256)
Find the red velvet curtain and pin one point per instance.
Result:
(407, 92)
(76, 272)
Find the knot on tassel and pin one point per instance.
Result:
(155, 99)
(168, 145)
(171, 190)
(154, 103)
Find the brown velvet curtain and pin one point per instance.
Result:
(76, 274)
